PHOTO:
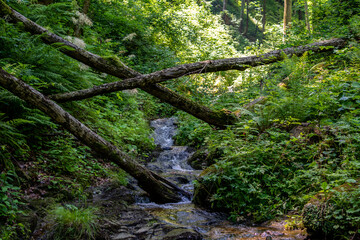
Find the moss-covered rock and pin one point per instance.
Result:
(335, 214)
(203, 189)
(203, 158)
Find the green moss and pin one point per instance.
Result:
(4, 9)
(114, 60)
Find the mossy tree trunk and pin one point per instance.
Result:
(287, 15)
(159, 189)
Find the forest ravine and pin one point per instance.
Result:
(265, 93)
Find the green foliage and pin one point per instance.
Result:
(294, 222)
(191, 131)
(266, 168)
(71, 222)
(332, 18)
(273, 163)
(118, 177)
(10, 201)
(335, 214)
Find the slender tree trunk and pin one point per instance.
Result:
(307, 22)
(78, 28)
(86, 6)
(242, 16)
(287, 15)
(116, 68)
(159, 189)
(264, 16)
(225, 16)
(247, 18)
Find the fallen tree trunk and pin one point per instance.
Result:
(159, 189)
(148, 82)
(199, 67)
(118, 69)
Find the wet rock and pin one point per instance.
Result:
(113, 192)
(143, 230)
(182, 234)
(180, 179)
(270, 234)
(123, 236)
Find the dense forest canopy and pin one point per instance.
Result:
(266, 91)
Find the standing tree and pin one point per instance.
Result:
(225, 16)
(242, 16)
(264, 16)
(82, 19)
(247, 18)
(307, 21)
(287, 15)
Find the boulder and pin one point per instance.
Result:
(203, 158)
(204, 189)
(334, 214)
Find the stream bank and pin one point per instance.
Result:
(125, 213)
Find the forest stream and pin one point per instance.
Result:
(172, 164)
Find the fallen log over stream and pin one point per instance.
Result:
(159, 189)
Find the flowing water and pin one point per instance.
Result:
(172, 164)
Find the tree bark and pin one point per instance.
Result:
(225, 17)
(86, 6)
(287, 15)
(159, 189)
(264, 16)
(239, 64)
(307, 22)
(78, 30)
(247, 18)
(111, 66)
(242, 16)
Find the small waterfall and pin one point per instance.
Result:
(172, 164)
(172, 161)
(164, 131)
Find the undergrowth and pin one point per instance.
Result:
(71, 222)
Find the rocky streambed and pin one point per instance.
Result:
(126, 213)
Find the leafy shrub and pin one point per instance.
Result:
(10, 201)
(267, 169)
(191, 131)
